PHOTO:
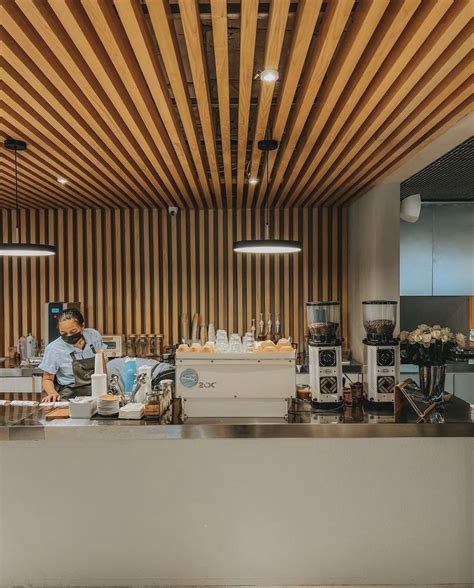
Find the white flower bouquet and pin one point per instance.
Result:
(429, 346)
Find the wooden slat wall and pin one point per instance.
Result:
(138, 270)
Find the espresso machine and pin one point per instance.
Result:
(381, 370)
(325, 352)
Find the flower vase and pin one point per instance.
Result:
(432, 378)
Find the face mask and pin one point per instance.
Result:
(72, 339)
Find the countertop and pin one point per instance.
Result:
(12, 369)
(26, 423)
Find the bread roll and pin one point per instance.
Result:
(267, 344)
(282, 342)
(208, 348)
(195, 348)
(183, 348)
(267, 349)
(285, 349)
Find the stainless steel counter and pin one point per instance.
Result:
(29, 424)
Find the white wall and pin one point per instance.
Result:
(374, 255)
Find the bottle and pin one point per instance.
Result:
(261, 328)
(270, 327)
(277, 329)
(129, 373)
(253, 329)
(31, 346)
(21, 347)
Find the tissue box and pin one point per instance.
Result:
(82, 407)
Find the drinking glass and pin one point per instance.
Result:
(248, 343)
(235, 343)
(222, 343)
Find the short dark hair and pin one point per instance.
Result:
(71, 313)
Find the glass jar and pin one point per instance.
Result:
(324, 318)
(153, 403)
(380, 319)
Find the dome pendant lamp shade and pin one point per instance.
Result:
(20, 249)
(267, 245)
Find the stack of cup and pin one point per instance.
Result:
(108, 405)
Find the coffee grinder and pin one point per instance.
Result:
(381, 351)
(325, 352)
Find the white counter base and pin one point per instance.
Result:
(237, 511)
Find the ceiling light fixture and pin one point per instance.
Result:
(267, 245)
(269, 75)
(253, 180)
(62, 180)
(20, 249)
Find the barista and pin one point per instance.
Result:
(70, 358)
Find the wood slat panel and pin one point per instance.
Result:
(248, 32)
(146, 103)
(128, 278)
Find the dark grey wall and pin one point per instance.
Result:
(437, 252)
(447, 311)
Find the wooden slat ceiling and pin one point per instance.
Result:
(156, 103)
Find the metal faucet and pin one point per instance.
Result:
(139, 381)
(114, 387)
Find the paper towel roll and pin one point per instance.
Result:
(99, 384)
(99, 363)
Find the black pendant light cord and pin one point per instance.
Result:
(267, 211)
(18, 230)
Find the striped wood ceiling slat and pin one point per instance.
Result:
(142, 103)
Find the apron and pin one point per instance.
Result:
(82, 370)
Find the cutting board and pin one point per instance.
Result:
(57, 413)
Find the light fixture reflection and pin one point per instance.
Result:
(267, 246)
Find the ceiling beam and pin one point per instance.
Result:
(248, 32)
(365, 21)
(302, 34)
(394, 85)
(221, 56)
(431, 85)
(406, 154)
(103, 17)
(135, 26)
(327, 39)
(79, 48)
(193, 35)
(163, 27)
(418, 29)
(434, 108)
(72, 93)
(275, 35)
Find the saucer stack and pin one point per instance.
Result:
(108, 405)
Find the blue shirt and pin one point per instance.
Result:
(57, 356)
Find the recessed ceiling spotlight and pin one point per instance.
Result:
(269, 75)
(62, 180)
(253, 180)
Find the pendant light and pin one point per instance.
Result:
(20, 249)
(267, 245)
